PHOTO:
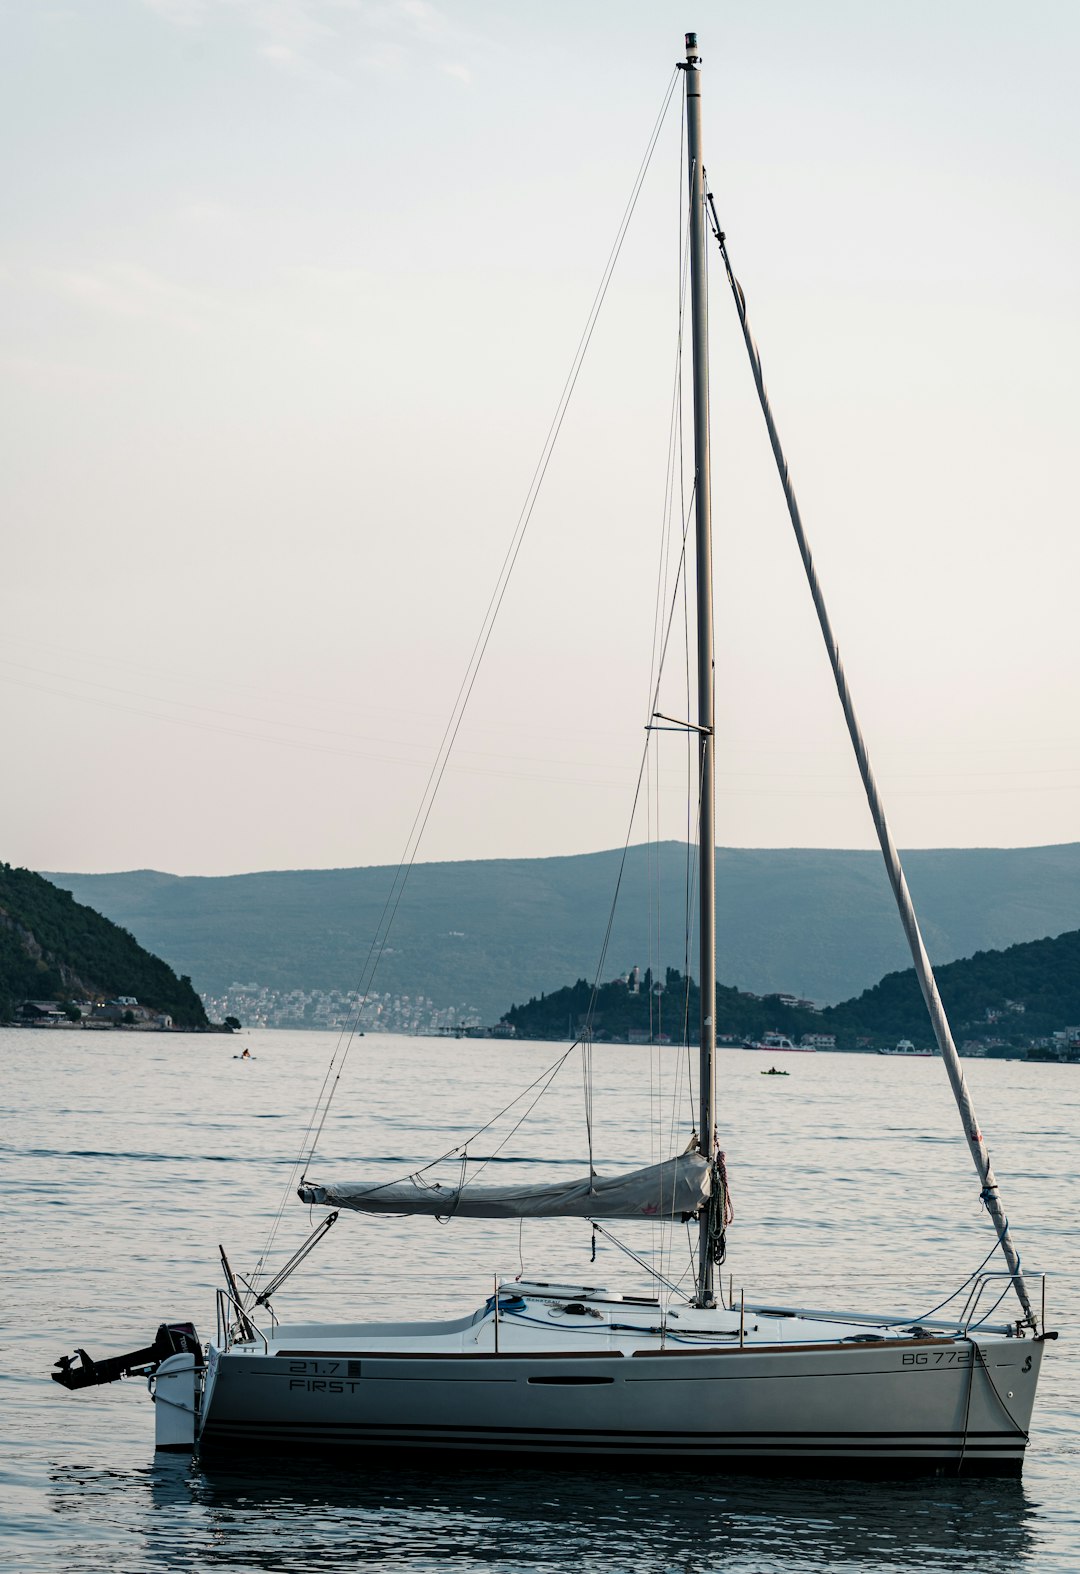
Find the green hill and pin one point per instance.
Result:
(660, 1012)
(1026, 991)
(816, 923)
(51, 947)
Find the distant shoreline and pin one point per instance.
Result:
(117, 1027)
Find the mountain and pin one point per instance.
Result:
(1025, 991)
(816, 923)
(53, 948)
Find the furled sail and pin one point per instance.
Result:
(675, 1189)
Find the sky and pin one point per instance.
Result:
(289, 291)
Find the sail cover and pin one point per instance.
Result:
(671, 1190)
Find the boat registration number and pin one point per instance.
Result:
(937, 1358)
(336, 1369)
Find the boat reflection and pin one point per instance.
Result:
(333, 1516)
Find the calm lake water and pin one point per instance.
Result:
(129, 1157)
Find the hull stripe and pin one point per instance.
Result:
(985, 1442)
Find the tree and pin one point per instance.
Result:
(233, 1022)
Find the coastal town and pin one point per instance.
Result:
(257, 1005)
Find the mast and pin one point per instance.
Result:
(703, 519)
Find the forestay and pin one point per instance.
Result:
(676, 1189)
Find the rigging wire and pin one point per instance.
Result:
(331, 1081)
(674, 482)
(676, 468)
(587, 1033)
(692, 798)
(999, 1232)
(674, 473)
(963, 1286)
(460, 1149)
(548, 1076)
(509, 561)
(650, 1268)
(680, 583)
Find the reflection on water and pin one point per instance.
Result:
(303, 1514)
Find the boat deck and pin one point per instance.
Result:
(559, 1319)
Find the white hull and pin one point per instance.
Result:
(796, 1393)
(786, 1049)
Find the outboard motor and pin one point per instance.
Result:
(170, 1339)
(171, 1364)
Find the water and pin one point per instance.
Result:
(128, 1157)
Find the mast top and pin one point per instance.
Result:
(693, 54)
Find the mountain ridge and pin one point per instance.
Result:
(819, 923)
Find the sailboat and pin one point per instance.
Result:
(569, 1370)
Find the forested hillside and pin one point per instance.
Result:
(659, 1010)
(51, 947)
(1026, 991)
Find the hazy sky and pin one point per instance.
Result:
(289, 291)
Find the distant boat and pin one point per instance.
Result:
(906, 1047)
(780, 1041)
